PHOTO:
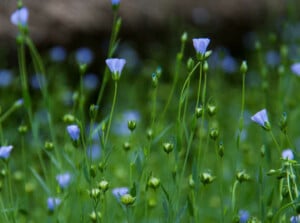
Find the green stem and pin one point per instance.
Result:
(233, 198)
(199, 84)
(275, 141)
(111, 112)
(241, 121)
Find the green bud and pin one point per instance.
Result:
(214, 134)
(221, 149)
(93, 171)
(131, 125)
(207, 54)
(211, 109)
(206, 178)
(153, 182)
(68, 118)
(190, 64)
(184, 37)
(283, 122)
(199, 112)
(158, 72)
(242, 176)
(284, 51)
(262, 151)
(191, 181)
(257, 45)
(126, 146)
(95, 193)
(149, 134)
(168, 147)
(152, 203)
(103, 185)
(154, 80)
(49, 145)
(18, 176)
(3, 173)
(94, 216)
(22, 129)
(101, 167)
(20, 39)
(82, 68)
(244, 67)
(127, 199)
(93, 110)
(205, 66)
(30, 187)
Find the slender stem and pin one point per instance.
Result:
(111, 112)
(175, 80)
(275, 141)
(241, 121)
(199, 84)
(233, 198)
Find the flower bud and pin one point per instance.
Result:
(184, 37)
(199, 112)
(149, 134)
(103, 185)
(131, 125)
(93, 171)
(191, 181)
(126, 146)
(221, 149)
(205, 66)
(94, 216)
(95, 193)
(211, 109)
(93, 110)
(154, 80)
(49, 146)
(283, 122)
(214, 134)
(153, 182)
(168, 147)
(68, 118)
(127, 199)
(22, 129)
(101, 167)
(242, 176)
(244, 67)
(190, 64)
(207, 178)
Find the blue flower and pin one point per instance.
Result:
(116, 66)
(94, 151)
(229, 64)
(84, 55)
(244, 216)
(74, 132)
(64, 179)
(120, 191)
(296, 68)
(38, 81)
(57, 54)
(5, 78)
(261, 118)
(52, 203)
(287, 154)
(295, 219)
(115, 2)
(20, 16)
(5, 151)
(272, 58)
(90, 81)
(200, 45)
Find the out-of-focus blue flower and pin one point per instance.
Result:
(74, 132)
(5, 78)
(295, 219)
(296, 68)
(52, 203)
(115, 66)
(84, 55)
(120, 191)
(20, 16)
(120, 125)
(5, 151)
(129, 52)
(19, 102)
(64, 179)
(261, 118)
(38, 81)
(94, 151)
(287, 154)
(244, 216)
(200, 45)
(272, 58)
(57, 54)
(115, 2)
(90, 81)
(229, 64)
